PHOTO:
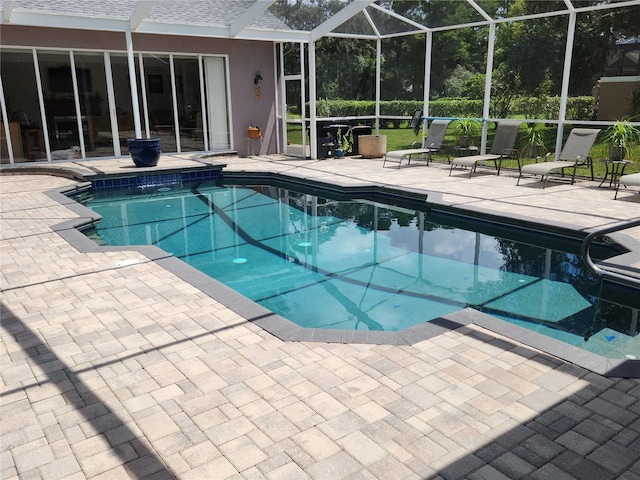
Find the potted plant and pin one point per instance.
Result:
(145, 152)
(342, 145)
(620, 136)
(533, 139)
(465, 129)
(372, 146)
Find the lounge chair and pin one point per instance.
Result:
(432, 143)
(575, 153)
(501, 148)
(631, 180)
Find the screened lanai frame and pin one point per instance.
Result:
(254, 20)
(331, 28)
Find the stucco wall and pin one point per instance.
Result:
(615, 97)
(245, 59)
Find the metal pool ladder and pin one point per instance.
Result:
(628, 280)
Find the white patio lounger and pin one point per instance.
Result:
(631, 180)
(501, 148)
(432, 143)
(575, 153)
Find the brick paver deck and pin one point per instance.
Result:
(112, 369)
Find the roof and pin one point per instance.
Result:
(207, 18)
(258, 19)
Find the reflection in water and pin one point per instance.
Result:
(357, 264)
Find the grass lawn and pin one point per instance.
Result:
(403, 138)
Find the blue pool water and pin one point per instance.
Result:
(356, 264)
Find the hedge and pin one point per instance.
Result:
(578, 108)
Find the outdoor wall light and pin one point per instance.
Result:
(257, 81)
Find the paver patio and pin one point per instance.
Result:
(103, 379)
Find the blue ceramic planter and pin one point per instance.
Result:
(145, 152)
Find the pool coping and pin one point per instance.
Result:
(289, 331)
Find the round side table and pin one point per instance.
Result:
(614, 170)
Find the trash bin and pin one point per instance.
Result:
(335, 128)
(325, 145)
(356, 132)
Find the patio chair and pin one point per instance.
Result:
(503, 146)
(432, 143)
(631, 180)
(575, 153)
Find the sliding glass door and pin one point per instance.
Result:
(218, 121)
(65, 105)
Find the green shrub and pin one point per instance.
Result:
(548, 108)
(578, 108)
(456, 107)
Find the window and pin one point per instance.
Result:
(61, 81)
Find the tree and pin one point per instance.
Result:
(345, 68)
(404, 60)
(454, 86)
(474, 86)
(528, 53)
(402, 77)
(595, 38)
(504, 88)
(535, 48)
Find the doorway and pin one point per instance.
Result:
(294, 119)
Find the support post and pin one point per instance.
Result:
(487, 86)
(566, 74)
(378, 56)
(313, 120)
(132, 82)
(427, 81)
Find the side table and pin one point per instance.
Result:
(459, 151)
(251, 146)
(614, 170)
(465, 151)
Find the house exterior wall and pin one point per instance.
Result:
(246, 58)
(615, 97)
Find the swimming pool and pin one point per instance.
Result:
(329, 262)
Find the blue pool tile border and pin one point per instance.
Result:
(136, 181)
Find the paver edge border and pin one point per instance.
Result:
(286, 330)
